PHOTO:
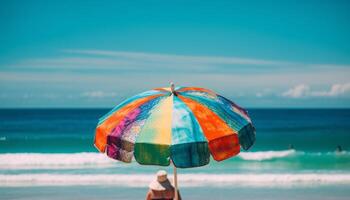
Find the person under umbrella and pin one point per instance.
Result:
(161, 188)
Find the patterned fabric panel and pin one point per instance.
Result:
(189, 146)
(122, 138)
(110, 123)
(152, 143)
(225, 147)
(234, 120)
(223, 141)
(234, 107)
(187, 155)
(247, 136)
(129, 100)
(200, 93)
(116, 150)
(152, 154)
(185, 127)
(197, 89)
(247, 133)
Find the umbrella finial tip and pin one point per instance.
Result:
(172, 87)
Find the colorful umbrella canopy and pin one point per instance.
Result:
(184, 125)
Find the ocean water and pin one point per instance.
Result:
(49, 153)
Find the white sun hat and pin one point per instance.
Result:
(161, 183)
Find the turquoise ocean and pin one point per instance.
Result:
(49, 154)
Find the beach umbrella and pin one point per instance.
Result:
(182, 126)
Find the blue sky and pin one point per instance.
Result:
(96, 53)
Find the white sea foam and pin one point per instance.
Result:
(185, 180)
(98, 160)
(266, 155)
(54, 160)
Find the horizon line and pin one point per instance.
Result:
(100, 108)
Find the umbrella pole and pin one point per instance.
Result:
(175, 183)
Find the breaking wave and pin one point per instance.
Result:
(266, 155)
(53, 160)
(186, 180)
(10, 161)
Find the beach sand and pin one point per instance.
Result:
(209, 193)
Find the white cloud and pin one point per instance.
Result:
(90, 74)
(336, 90)
(26, 95)
(265, 92)
(210, 60)
(259, 94)
(102, 61)
(173, 58)
(98, 94)
(74, 61)
(303, 90)
(297, 91)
